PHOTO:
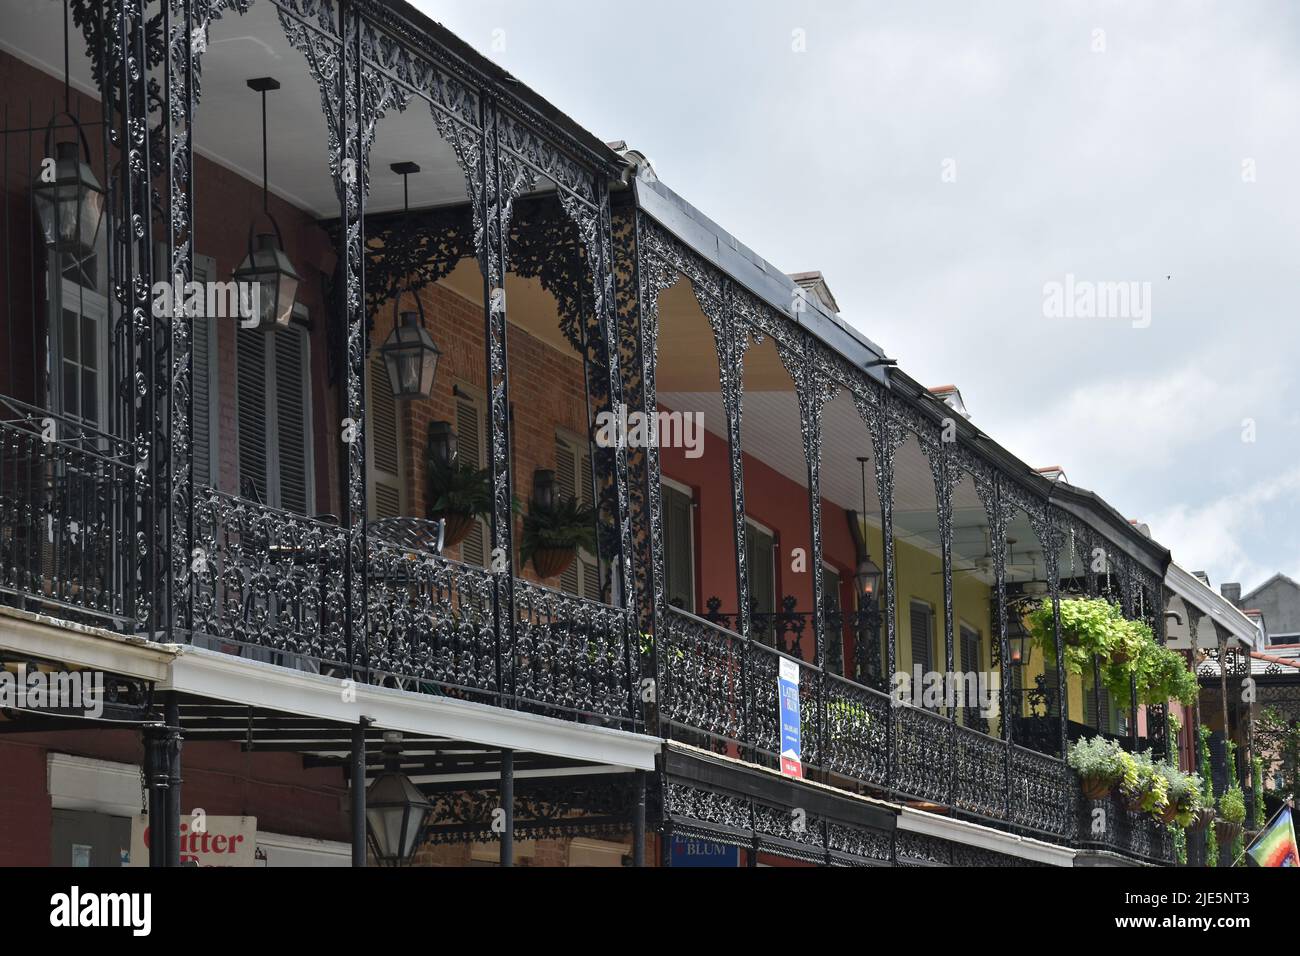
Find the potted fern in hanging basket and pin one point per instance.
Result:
(553, 535)
(458, 494)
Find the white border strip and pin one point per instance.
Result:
(219, 676)
(974, 834)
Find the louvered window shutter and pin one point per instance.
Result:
(469, 445)
(250, 386)
(762, 574)
(292, 440)
(200, 370)
(677, 549)
(566, 486)
(385, 448)
(920, 622)
(970, 650)
(203, 383)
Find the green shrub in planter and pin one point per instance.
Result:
(1232, 805)
(1099, 763)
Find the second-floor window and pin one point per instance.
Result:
(921, 621)
(471, 448)
(760, 553)
(573, 480)
(79, 340)
(272, 389)
(679, 547)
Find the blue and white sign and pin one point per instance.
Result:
(787, 688)
(688, 852)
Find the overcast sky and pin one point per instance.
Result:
(942, 163)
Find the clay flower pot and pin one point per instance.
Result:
(1096, 788)
(1201, 819)
(552, 562)
(1226, 832)
(456, 527)
(1167, 815)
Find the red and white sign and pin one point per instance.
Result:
(205, 840)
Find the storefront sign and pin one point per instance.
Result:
(687, 852)
(787, 686)
(205, 840)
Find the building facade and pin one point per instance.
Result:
(245, 511)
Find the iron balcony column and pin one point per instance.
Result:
(508, 807)
(173, 718)
(164, 846)
(358, 785)
(494, 201)
(638, 818)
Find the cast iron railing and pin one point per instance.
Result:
(65, 517)
(1107, 824)
(272, 585)
(719, 690)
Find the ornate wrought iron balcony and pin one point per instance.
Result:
(718, 690)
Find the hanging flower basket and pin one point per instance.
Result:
(1226, 831)
(552, 562)
(1167, 815)
(1202, 818)
(1096, 788)
(456, 527)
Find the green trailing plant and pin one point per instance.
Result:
(565, 525)
(1089, 627)
(1144, 784)
(1257, 792)
(1203, 753)
(458, 489)
(1179, 836)
(1127, 650)
(1100, 764)
(1162, 675)
(1211, 846)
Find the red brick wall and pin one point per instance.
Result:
(547, 391)
(29, 98)
(217, 777)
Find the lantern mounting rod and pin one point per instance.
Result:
(263, 85)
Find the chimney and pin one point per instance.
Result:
(1231, 591)
(1202, 576)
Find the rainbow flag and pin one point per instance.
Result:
(1276, 846)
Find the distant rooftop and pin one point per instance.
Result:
(815, 283)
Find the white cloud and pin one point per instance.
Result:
(1134, 425)
(1214, 535)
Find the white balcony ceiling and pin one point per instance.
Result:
(228, 116)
